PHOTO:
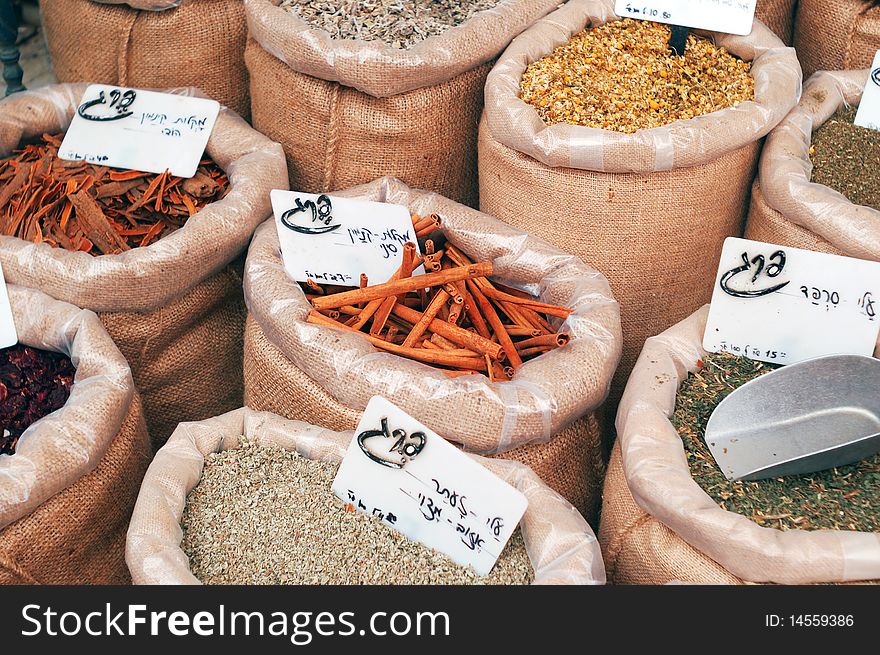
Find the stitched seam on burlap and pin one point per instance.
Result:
(122, 64)
(617, 543)
(849, 37)
(15, 569)
(333, 130)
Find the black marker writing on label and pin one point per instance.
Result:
(875, 76)
(321, 212)
(777, 260)
(407, 446)
(119, 101)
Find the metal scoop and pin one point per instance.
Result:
(801, 418)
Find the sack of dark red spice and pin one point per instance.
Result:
(790, 209)
(778, 15)
(649, 209)
(67, 492)
(562, 548)
(545, 416)
(175, 307)
(348, 111)
(658, 525)
(836, 34)
(151, 44)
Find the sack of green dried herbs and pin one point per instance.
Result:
(354, 91)
(175, 308)
(816, 188)
(544, 417)
(68, 479)
(629, 172)
(245, 498)
(669, 513)
(778, 15)
(191, 43)
(836, 34)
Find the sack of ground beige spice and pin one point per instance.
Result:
(649, 209)
(348, 111)
(67, 493)
(561, 547)
(199, 43)
(543, 417)
(658, 525)
(778, 15)
(836, 34)
(790, 210)
(174, 308)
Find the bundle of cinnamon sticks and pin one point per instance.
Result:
(453, 317)
(96, 209)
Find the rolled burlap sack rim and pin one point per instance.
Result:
(659, 479)
(59, 449)
(144, 279)
(517, 125)
(560, 543)
(145, 5)
(381, 70)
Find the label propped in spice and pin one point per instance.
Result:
(727, 16)
(413, 480)
(868, 114)
(140, 130)
(785, 305)
(8, 335)
(333, 240)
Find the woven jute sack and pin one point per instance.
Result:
(790, 210)
(350, 111)
(544, 417)
(778, 15)
(836, 34)
(174, 308)
(67, 493)
(199, 43)
(650, 210)
(658, 525)
(561, 546)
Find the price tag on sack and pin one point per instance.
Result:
(728, 16)
(333, 240)
(140, 130)
(785, 305)
(868, 114)
(409, 477)
(8, 335)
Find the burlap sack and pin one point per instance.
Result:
(650, 210)
(67, 493)
(199, 44)
(659, 526)
(790, 210)
(174, 308)
(560, 544)
(350, 111)
(836, 34)
(543, 417)
(778, 15)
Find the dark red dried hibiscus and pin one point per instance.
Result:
(33, 383)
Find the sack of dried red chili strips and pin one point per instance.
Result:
(68, 490)
(175, 306)
(545, 416)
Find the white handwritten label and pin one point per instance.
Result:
(412, 479)
(728, 16)
(8, 335)
(140, 130)
(785, 305)
(868, 114)
(333, 240)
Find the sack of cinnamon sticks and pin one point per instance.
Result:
(543, 415)
(68, 479)
(153, 255)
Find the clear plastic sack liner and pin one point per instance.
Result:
(786, 169)
(147, 5)
(658, 476)
(516, 124)
(486, 417)
(143, 279)
(378, 69)
(561, 546)
(62, 447)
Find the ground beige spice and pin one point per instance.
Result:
(265, 515)
(621, 77)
